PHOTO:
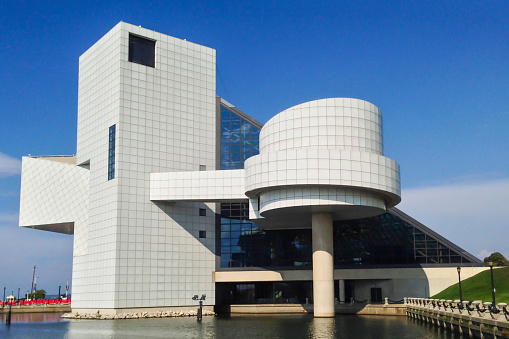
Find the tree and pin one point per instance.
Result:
(38, 294)
(497, 259)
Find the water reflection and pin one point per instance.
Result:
(322, 328)
(32, 317)
(248, 326)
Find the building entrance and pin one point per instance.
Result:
(376, 295)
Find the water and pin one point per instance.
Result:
(248, 326)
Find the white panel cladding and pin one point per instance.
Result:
(226, 185)
(144, 254)
(323, 167)
(318, 196)
(167, 123)
(98, 95)
(94, 274)
(334, 123)
(54, 192)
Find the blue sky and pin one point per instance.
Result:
(437, 69)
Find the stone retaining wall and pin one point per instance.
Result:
(475, 319)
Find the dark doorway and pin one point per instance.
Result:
(376, 295)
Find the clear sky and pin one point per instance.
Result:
(438, 70)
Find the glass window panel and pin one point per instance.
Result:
(444, 252)
(419, 236)
(246, 227)
(444, 260)
(420, 244)
(432, 252)
(225, 256)
(236, 263)
(141, 50)
(225, 224)
(455, 259)
(432, 260)
(225, 113)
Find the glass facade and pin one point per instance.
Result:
(244, 244)
(294, 292)
(383, 240)
(387, 239)
(239, 140)
(241, 241)
(111, 153)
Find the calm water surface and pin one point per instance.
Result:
(252, 326)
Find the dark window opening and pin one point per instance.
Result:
(142, 51)
(111, 153)
(203, 234)
(203, 212)
(376, 295)
(203, 168)
(294, 292)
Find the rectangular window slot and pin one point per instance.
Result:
(203, 168)
(142, 51)
(203, 234)
(203, 212)
(111, 153)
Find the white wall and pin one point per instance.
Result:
(52, 193)
(143, 254)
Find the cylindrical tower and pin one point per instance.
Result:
(321, 161)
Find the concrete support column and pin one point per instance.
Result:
(342, 290)
(323, 265)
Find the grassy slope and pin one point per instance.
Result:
(478, 287)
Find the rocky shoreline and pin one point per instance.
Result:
(141, 315)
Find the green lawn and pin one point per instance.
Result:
(478, 287)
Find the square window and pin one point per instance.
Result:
(142, 51)
(203, 234)
(203, 212)
(203, 168)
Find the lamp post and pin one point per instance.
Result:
(493, 307)
(59, 292)
(4, 294)
(18, 293)
(200, 312)
(459, 279)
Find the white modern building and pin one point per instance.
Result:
(174, 192)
